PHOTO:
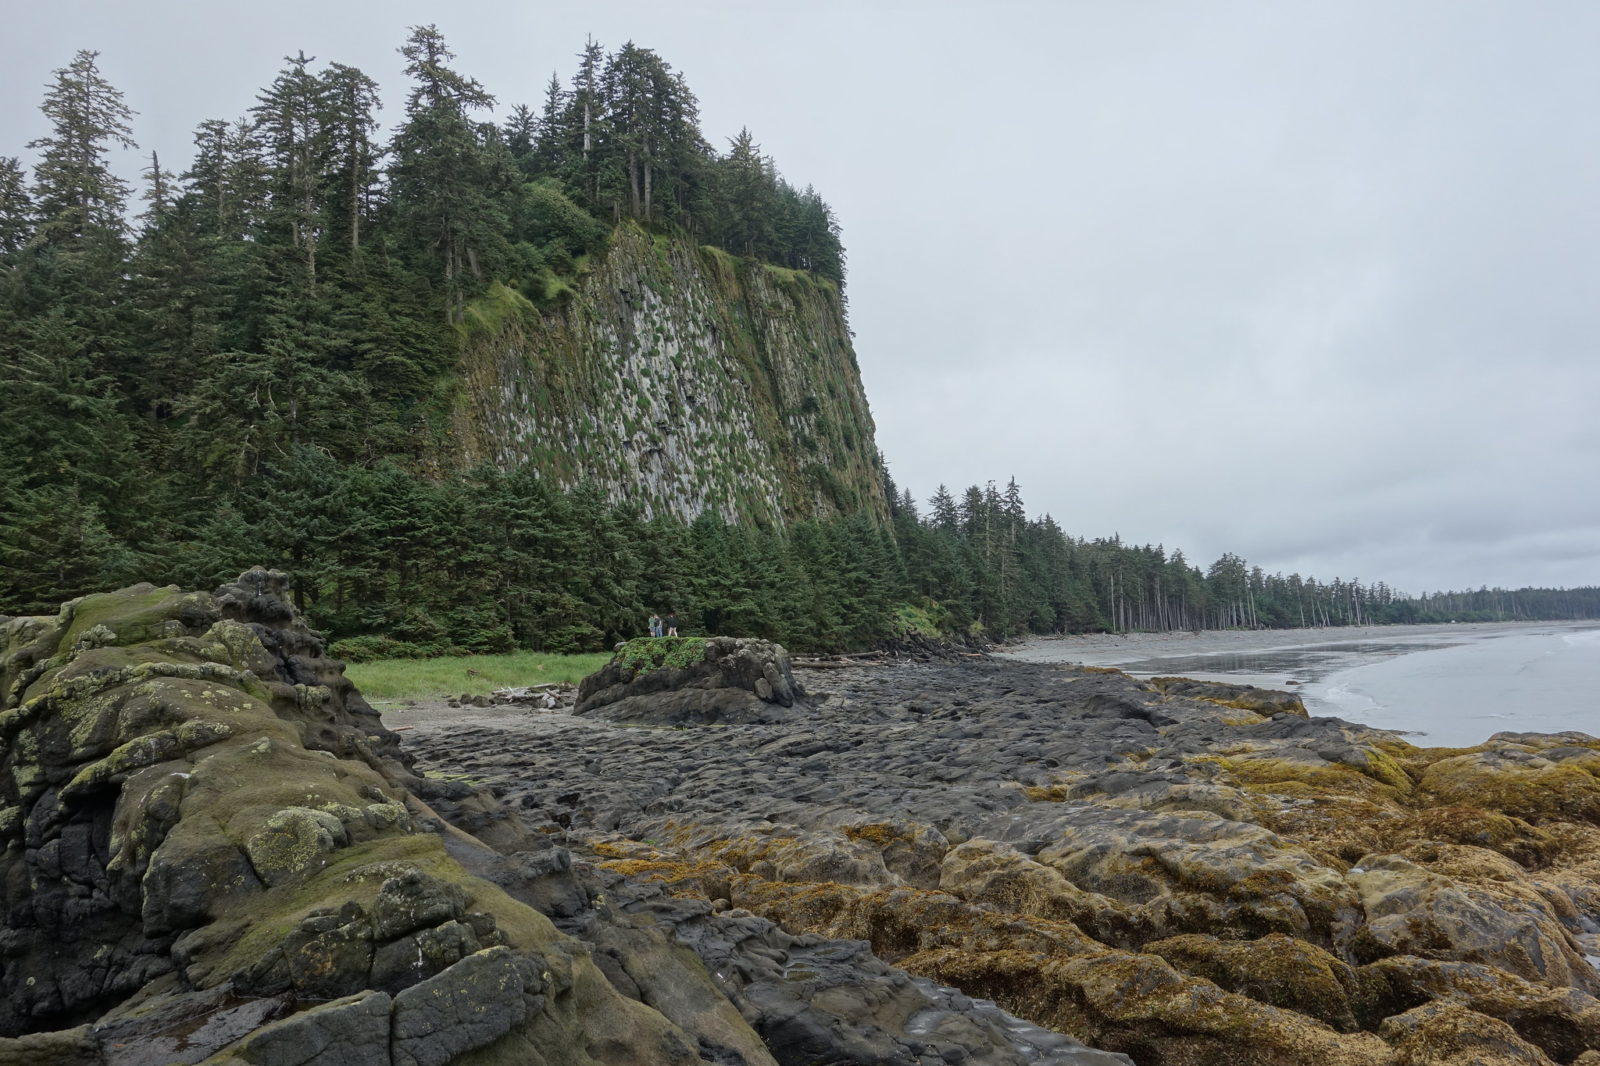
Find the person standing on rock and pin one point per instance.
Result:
(655, 624)
(672, 623)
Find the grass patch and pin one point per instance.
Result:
(488, 313)
(400, 679)
(644, 654)
(802, 277)
(925, 617)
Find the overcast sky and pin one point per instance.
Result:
(1315, 283)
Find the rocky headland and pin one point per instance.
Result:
(215, 851)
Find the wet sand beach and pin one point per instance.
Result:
(1453, 684)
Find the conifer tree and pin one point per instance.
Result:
(289, 119)
(349, 119)
(228, 178)
(585, 106)
(440, 180)
(745, 188)
(16, 230)
(550, 153)
(520, 132)
(79, 197)
(16, 209)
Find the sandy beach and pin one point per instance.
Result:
(1443, 684)
(1118, 649)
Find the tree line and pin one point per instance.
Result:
(253, 369)
(391, 563)
(304, 281)
(985, 563)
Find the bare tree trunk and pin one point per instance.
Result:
(355, 206)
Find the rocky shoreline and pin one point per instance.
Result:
(1178, 871)
(216, 852)
(213, 851)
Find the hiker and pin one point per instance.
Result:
(672, 623)
(655, 624)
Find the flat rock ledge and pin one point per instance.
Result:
(694, 681)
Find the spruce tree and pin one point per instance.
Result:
(550, 152)
(16, 208)
(582, 123)
(79, 198)
(520, 131)
(441, 183)
(350, 171)
(289, 118)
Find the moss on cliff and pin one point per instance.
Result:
(678, 377)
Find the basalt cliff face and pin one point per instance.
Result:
(677, 377)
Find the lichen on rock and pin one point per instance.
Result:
(196, 805)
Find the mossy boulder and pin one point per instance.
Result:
(1262, 701)
(1277, 970)
(1412, 911)
(1507, 835)
(1562, 1022)
(1449, 1034)
(694, 681)
(1139, 1005)
(194, 802)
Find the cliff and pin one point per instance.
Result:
(677, 377)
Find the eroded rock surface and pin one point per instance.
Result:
(1182, 872)
(214, 852)
(694, 681)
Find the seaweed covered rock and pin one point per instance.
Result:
(693, 681)
(1244, 697)
(1537, 778)
(1146, 865)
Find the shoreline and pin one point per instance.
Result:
(1151, 830)
(1442, 684)
(1110, 649)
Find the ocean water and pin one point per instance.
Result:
(1537, 682)
(1450, 686)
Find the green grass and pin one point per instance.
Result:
(803, 277)
(924, 617)
(489, 312)
(402, 679)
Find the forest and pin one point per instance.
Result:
(179, 365)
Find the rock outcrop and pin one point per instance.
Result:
(694, 681)
(1181, 872)
(679, 378)
(213, 851)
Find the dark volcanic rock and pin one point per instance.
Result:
(1184, 872)
(211, 849)
(214, 852)
(690, 681)
(823, 1000)
(1244, 697)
